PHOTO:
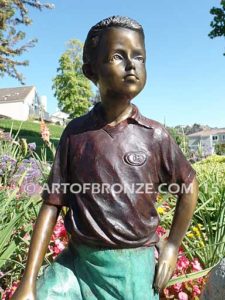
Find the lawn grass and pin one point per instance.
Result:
(30, 130)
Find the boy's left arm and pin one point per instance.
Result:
(182, 217)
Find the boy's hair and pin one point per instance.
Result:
(96, 32)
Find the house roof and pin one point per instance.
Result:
(60, 115)
(207, 132)
(14, 94)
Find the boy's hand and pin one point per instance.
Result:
(25, 291)
(166, 265)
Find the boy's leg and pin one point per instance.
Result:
(59, 280)
(91, 274)
(125, 274)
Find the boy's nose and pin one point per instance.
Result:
(130, 64)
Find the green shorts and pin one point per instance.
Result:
(93, 274)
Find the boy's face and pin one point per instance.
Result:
(120, 66)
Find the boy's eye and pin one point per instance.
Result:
(140, 58)
(117, 57)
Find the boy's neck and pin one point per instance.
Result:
(116, 113)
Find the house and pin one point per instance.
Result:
(21, 103)
(59, 117)
(206, 139)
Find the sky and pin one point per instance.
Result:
(186, 69)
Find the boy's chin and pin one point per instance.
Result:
(132, 94)
(123, 95)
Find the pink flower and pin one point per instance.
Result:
(182, 263)
(181, 251)
(160, 231)
(59, 239)
(56, 248)
(177, 287)
(59, 245)
(196, 265)
(182, 296)
(10, 291)
(59, 230)
(196, 290)
(200, 280)
(190, 289)
(166, 292)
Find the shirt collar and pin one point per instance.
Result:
(97, 114)
(137, 116)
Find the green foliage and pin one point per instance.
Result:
(71, 88)
(13, 14)
(208, 241)
(177, 136)
(218, 23)
(220, 149)
(20, 167)
(181, 139)
(206, 237)
(16, 224)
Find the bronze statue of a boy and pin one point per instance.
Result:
(118, 159)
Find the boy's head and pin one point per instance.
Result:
(96, 32)
(114, 56)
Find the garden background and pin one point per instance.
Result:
(186, 77)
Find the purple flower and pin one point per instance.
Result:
(32, 146)
(31, 171)
(7, 136)
(7, 163)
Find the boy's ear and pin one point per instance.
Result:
(89, 73)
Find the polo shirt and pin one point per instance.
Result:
(112, 176)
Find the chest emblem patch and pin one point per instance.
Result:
(135, 158)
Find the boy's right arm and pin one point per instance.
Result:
(40, 239)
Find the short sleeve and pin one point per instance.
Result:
(54, 191)
(175, 170)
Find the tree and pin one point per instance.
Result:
(14, 13)
(72, 88)
(218, 23)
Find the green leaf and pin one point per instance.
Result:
(7, 253)
(190, 276)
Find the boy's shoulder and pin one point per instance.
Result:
(159, 131)
(79, 124)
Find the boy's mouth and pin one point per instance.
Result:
(131, 76)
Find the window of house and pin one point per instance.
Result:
(215, 137)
